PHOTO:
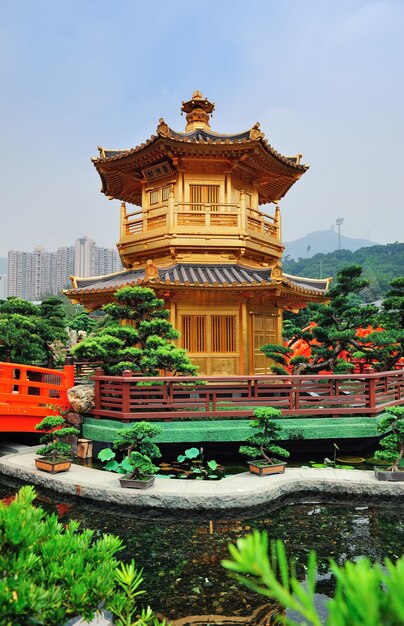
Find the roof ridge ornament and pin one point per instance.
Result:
(163, 128)
(151, 270)
(198, 112)
(256, 132)
(276, 273)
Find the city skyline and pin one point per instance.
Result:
(323, 79)
(32, 275)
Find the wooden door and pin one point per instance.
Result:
(263, 331)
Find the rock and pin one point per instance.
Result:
(75, 419)
(81, 398)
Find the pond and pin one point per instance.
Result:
(181, 557)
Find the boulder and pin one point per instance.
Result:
(81, 398)
(75, 419)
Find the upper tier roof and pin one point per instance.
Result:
(247, 154)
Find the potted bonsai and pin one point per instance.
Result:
(136, 443)
(57, 452)
(392, 444)
(261, 450)
(142, 472)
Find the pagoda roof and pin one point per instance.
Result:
(196, 275)
(123, 171)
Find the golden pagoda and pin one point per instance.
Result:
(198, 237)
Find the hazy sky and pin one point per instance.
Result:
(324, 78)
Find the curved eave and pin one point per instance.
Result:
(284, 285)
(109, 156)
(120, 170)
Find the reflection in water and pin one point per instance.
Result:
(181, 558)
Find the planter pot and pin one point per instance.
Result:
(133, 483)
(53, 466)
(262, 468)
(389, 476)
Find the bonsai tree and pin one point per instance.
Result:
(260, 444)
(136, 442)
(56, 431)
(392, 443)
(141, 466)
(135, 335)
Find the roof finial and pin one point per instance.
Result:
(198, 111)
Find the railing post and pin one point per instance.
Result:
(68, 369)
(171, 208)
(123, 230)
(207, 210)
(97, 390)
(243, 211)
(370, 388)
(278, 222)
(126, 392)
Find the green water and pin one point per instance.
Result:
(181, 557)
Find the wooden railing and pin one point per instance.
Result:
(127, 398)
(205, 215)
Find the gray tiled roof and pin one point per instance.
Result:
(202, 274)
(201, 134)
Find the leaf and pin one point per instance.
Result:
(106, 454)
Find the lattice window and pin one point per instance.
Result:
(204, 194)
(165, 192)
(154, 196)
(223, 333)
(194, 333)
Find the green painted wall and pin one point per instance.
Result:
(192, 431)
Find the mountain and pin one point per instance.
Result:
(381, 264)
(323, 241)
(3, 265)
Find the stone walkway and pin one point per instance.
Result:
(238, 492)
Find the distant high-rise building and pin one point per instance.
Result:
(84, 257)
(33, 275)
(106, 261)
(3, 286)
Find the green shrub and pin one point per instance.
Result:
(392, 443)
(366, 594)
(50, 573)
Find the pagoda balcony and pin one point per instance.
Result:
(233, 224)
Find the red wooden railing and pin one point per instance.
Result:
(27, 394)
(127, 398)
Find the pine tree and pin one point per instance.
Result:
(136, 335)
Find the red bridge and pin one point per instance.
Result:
(29, 393)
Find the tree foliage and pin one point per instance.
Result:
(143, 344)
(29, 332)
(381, 264)
(335, 335)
